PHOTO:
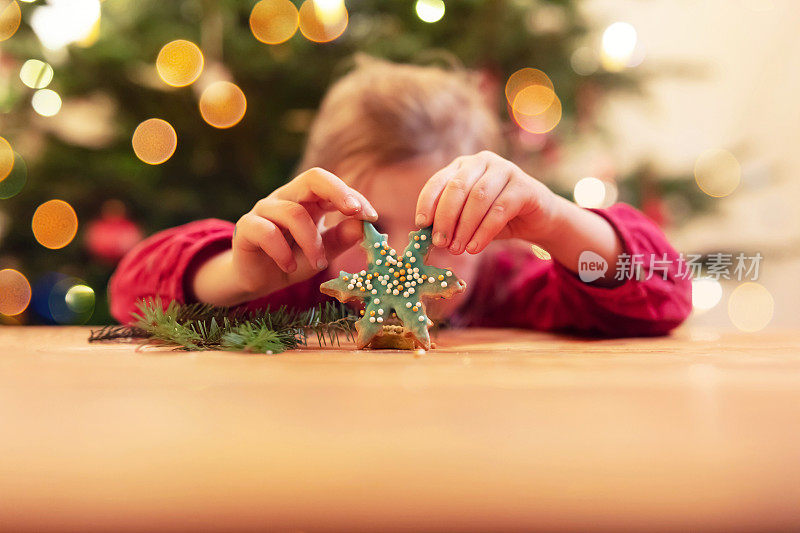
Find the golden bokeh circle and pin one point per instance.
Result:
(717, 172)
(54, 224)
(534, 99)
(223, 104)
(36, 74)
(6, 159)
(274, 21)
(321, 26)
(750, 307)
(10, 17)
(154, 141)
(46, 102)
(541, 122)
(15, 292)
(523, 78)
(179, 63)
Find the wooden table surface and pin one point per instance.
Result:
(495, 429)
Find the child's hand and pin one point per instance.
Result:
(279, 242)
(482, 197)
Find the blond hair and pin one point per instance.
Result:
(383, 113)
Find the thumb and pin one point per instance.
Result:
(337, 239)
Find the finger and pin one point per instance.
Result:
(342, 237)
(429, 195)
(328, 187)
(255, 233)
(482, 195)
(452, 200)
(294, 218)
(507, 205)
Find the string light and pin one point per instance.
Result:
(322, 21)
(15, 292)
(36, 74)
(542, 122)
(10, 17)
(618, 45)
(54, 224)
(750, 307)
(46, 102)
(717, 172)
(62, 22)
(429, 10)
(154, 141)
(274, 21)
(589, 192)
(223, 104)
(706, 293)
(524, 78)
(6, 159)
(179, 63)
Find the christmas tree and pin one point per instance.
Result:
(233, 85)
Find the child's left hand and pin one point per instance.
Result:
(482, 197)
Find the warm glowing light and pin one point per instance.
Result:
(584, 61)
(706, 293)
(542, 122)
(36, 74)
(618, 45)
(750, 307)
(717, 172)
(223, 104)
(54, 224)
(179, 63)
(524, 78)
(274, 21)
(62, 22)
(534, 99)
(589, 192)
(540, 252)
(15, 180)
(322, 21)
(429, 10)
(15, 292)
(46, 102)
(154, 141)
(10, 17)
(6, 159)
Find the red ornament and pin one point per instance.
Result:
(111, 236)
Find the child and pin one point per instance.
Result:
(406, 147)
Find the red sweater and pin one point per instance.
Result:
(513, 287)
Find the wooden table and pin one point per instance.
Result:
(495, 429)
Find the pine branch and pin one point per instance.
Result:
(205, 327)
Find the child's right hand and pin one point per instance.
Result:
(278, 242)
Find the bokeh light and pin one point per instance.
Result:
(15, 292)
(618, 45)
(533, 99)
(584, 61)
(750, 307)
(322, 21)
(6, 159)
(10, 17)
(154, 141)
(589, 192)
(62, 22)
(274, 21)
(16, 179)
(706, 293)
(525, 78)
(542, 122)
(54, 224)
(36, 74)
(79, 300)
(46, 102)
(179, 63)
(223, 104)
(717, 172)
(429, 10)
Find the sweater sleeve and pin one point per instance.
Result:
(546, 295)
(162, 265)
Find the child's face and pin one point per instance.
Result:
(393, 191)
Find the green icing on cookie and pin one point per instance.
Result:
(394, 283)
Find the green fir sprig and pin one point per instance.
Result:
(206, 327)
